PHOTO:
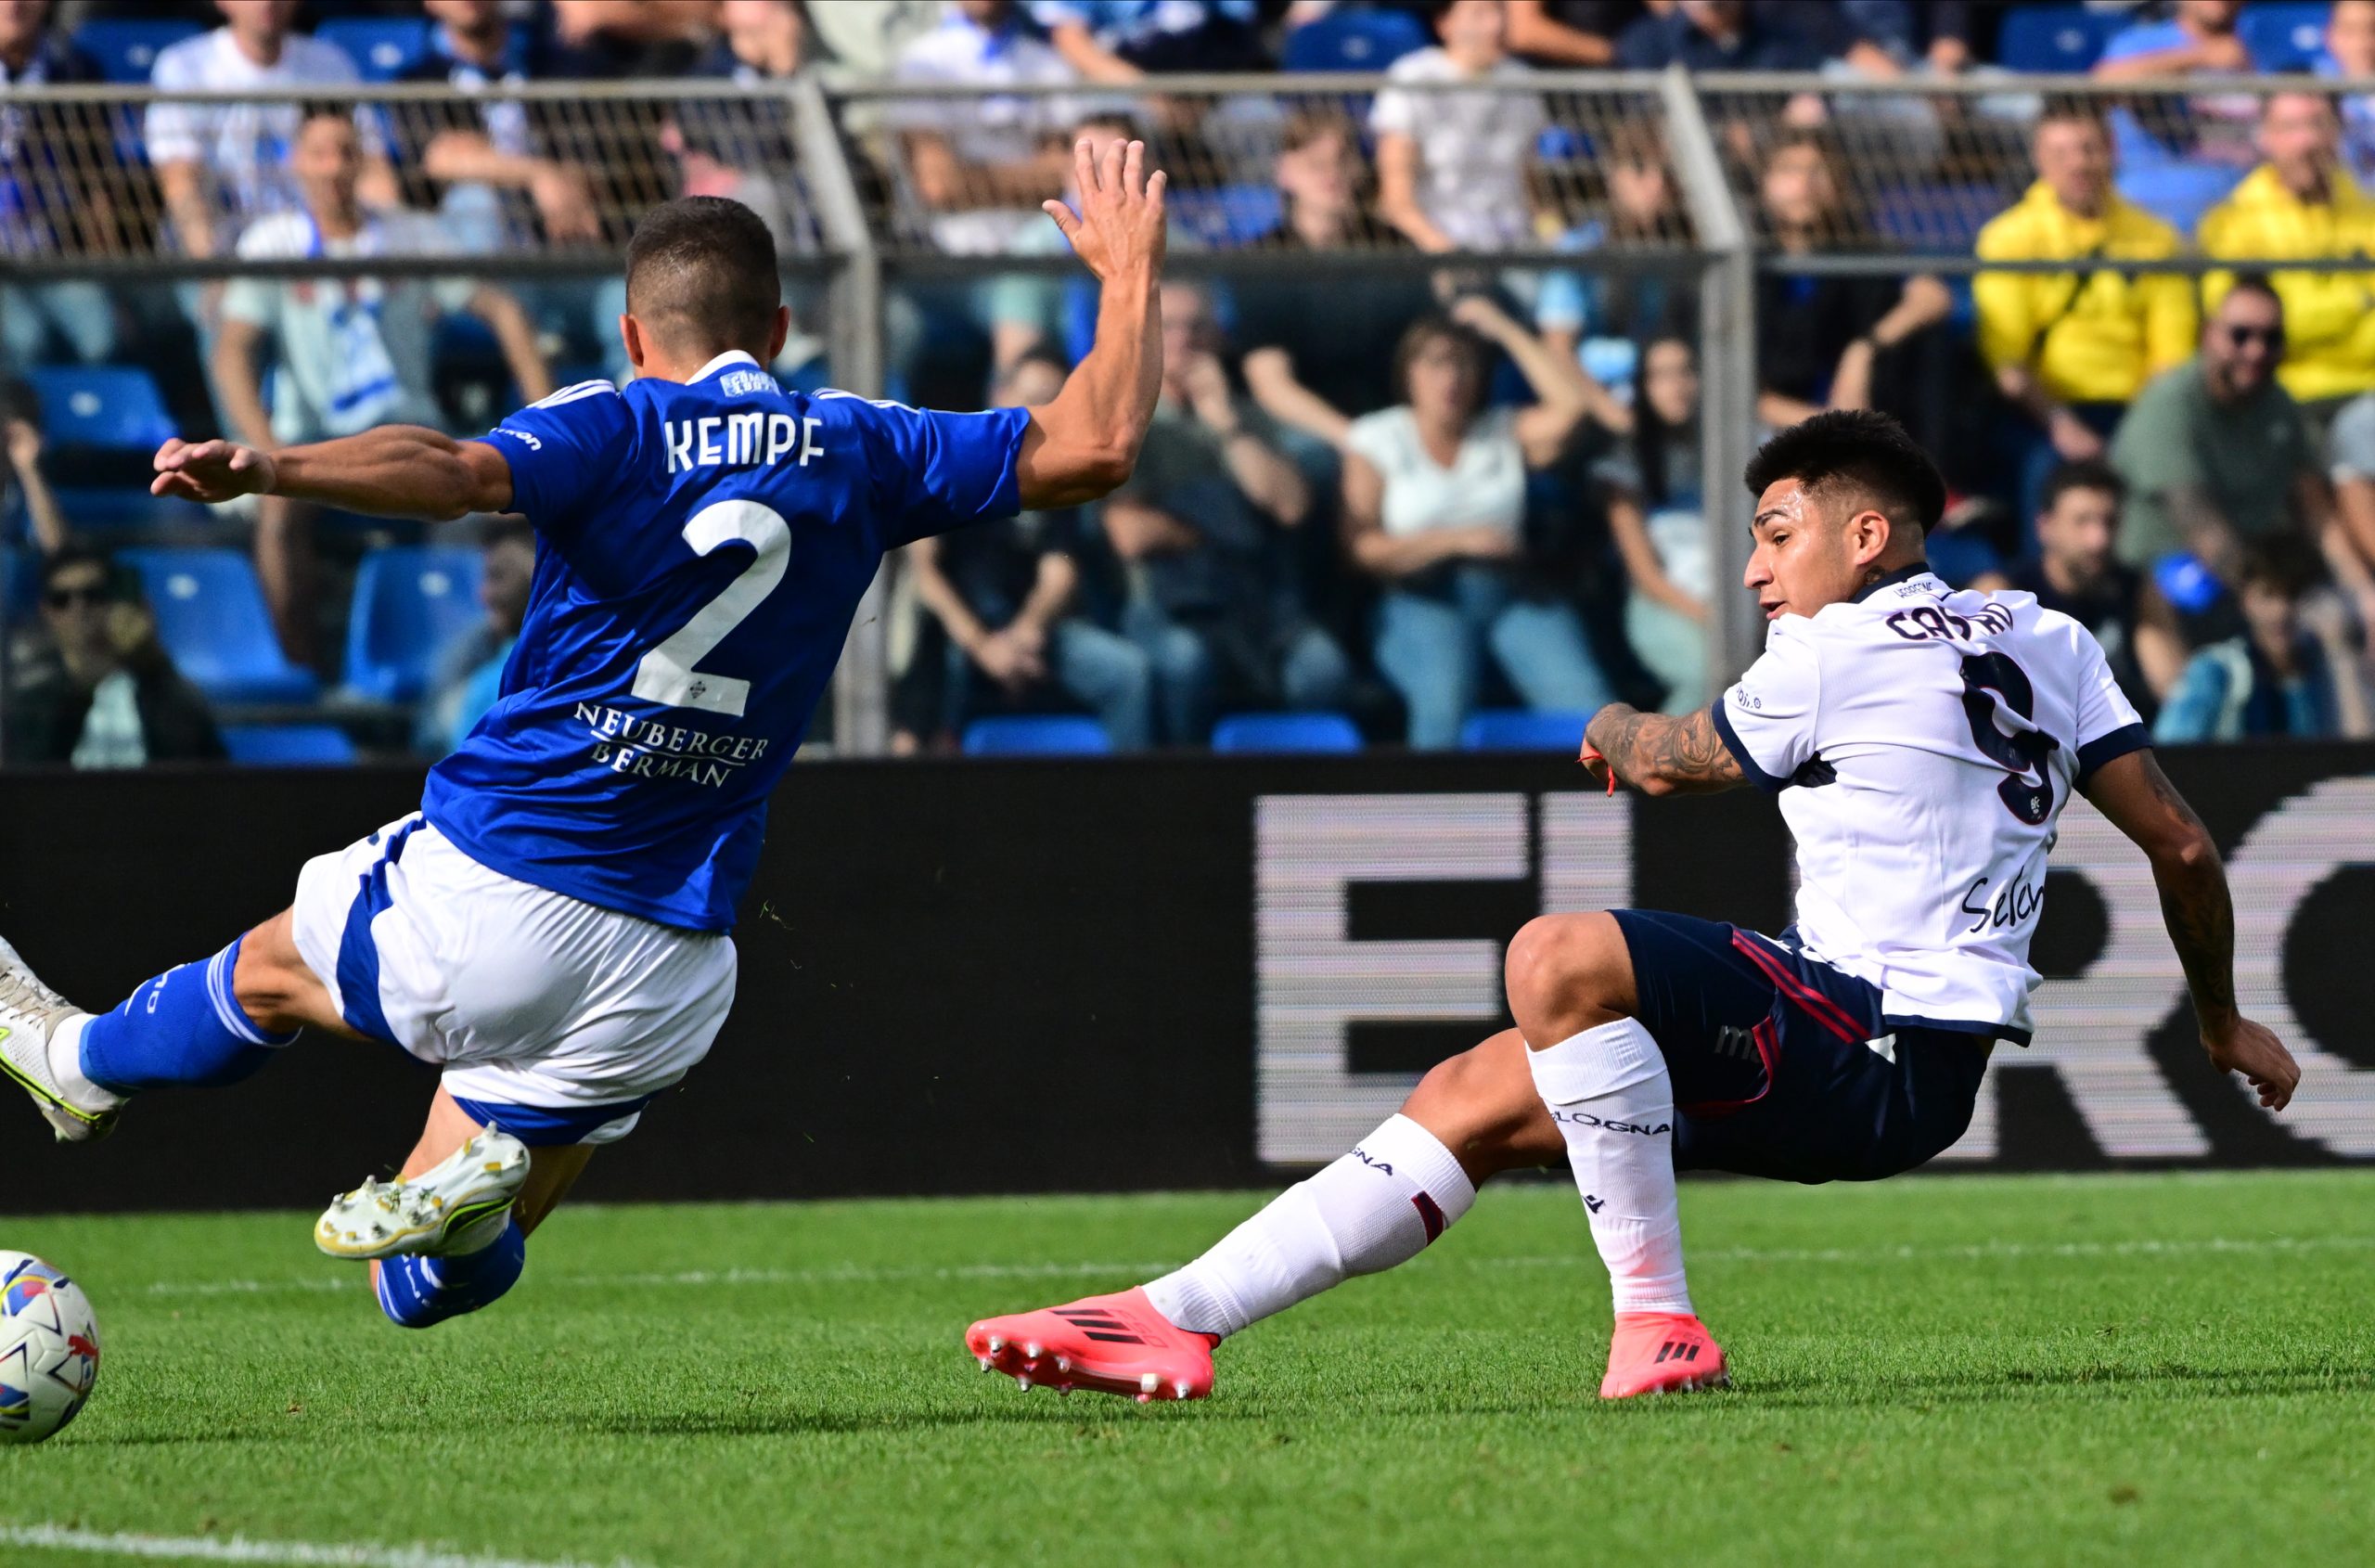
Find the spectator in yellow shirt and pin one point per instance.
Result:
(2071, 349)
(2302, 204)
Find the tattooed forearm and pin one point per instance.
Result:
(2198, 910)
(1661, 755)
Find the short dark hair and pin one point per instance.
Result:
(1857, 449)
(2068, 109)
(2084, 473)
(2289, 565)
(702, 273)
(2252, 283)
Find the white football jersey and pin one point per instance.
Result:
(1924, 741)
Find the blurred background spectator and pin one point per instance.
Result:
(89, 685)
(1121, 41)
(1318, 354)
(2076, 571)
(1603, 318)
(1564, 34)
(2350, 52)
(1211, 592)
(982, 166)
(43, 521)
(1434, 508)
(2216, 456)
(2070, 351)
(1830, 341)
(2181, 156)
(2292, 671)
(467, 677)
(2302, 204)
(1452, 167)
(348, 353)
(1650, 488)
(1718, 35)
(1004, 596)
(39, 199)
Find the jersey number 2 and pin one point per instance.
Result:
(1990, 679)
(666, 674)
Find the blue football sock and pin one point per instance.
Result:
(422, 1293)
(185, 1027)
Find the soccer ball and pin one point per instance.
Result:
(49, 1349)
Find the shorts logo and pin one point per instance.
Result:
(1594, 1204)
(1586, 1119)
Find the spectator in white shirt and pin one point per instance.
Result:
(1435, 508)
(980, 166)
(223, 163)
(1452, 166)
(352, 351)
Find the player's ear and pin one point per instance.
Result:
(779, 334)
(631, 334)
(1868, 535)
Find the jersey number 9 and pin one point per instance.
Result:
(1992, 681)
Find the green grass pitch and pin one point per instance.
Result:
(2124, 1369)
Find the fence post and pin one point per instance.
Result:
(853, 338)
(1726, 369)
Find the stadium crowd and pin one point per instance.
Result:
(1393, 500)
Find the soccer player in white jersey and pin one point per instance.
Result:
(1923, 742)
(551, 929)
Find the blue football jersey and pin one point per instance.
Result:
(700, 549)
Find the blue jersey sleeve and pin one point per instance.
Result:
(563, 449)
(934, 471)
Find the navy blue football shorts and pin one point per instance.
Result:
(1781, 1066)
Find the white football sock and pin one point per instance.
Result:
(1607, 1090)
(1375, 1207)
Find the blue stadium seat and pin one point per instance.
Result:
(380, 47)
(211, 617)
(1230, 215)
(1052, 735)
(287, 745)
(410, 602)
(108, 406)
(1349, 38)
(127, 47)
(2283, 34)
(1286, 732)
(2055, 38)
(1522, 729)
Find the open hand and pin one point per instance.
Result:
(211, 470)
(2254, 1050)
(1119, 232)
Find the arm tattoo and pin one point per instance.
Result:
(1684, 755)
(2198, 910)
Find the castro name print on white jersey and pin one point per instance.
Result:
(1924, 742)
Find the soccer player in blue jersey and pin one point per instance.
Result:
(551, 928)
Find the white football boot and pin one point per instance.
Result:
(29, 1014)
(458, 1206)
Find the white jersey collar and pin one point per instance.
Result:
(1918, 577)
(731, 356)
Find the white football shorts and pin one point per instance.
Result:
(561, 1017)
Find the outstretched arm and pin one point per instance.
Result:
(1657, 755)
(396, 470)
(2141, 802)
(1085, 443)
